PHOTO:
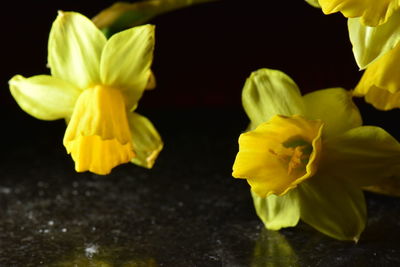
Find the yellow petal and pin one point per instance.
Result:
(333, 206)
(151, 83)
(371, 12)
(389, 186)
(98, 135)
(94, 154)
(365, 154)
(277, 212)
(278, 154)
(370, 43)
(380, 98)
(314, 3)
(267, 93)
(335, 108)
(44, 97)
(126, 61)
(380, 82)
(75, 47)
(146, 141)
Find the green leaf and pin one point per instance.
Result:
(267, 93)
(333, 206)
(121, 16)
(278, 212)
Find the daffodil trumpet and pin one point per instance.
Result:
(308, 157)
(95, 85)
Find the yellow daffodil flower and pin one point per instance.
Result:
(94, 84)
(307, 157)
(371, 12)
(380, 83)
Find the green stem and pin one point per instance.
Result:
(121, 16)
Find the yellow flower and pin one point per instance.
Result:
(380, 83)
(371, 12)
(94, 84)
(307, 157)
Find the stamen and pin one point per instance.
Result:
(295, 153)
(299, 158)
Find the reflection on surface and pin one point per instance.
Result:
(95, 256)
(272, 249)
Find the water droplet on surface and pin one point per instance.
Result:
(91, 249)
(30, 215)
(5, 190)
(41, 184)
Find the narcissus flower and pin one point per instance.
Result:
(94, 85)
(380, 83)
(307, 157)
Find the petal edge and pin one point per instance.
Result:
(43, 96)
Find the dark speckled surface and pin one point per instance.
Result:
(187, 211)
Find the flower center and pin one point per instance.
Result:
(279, 154)
(295, 154)
(301, 151)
